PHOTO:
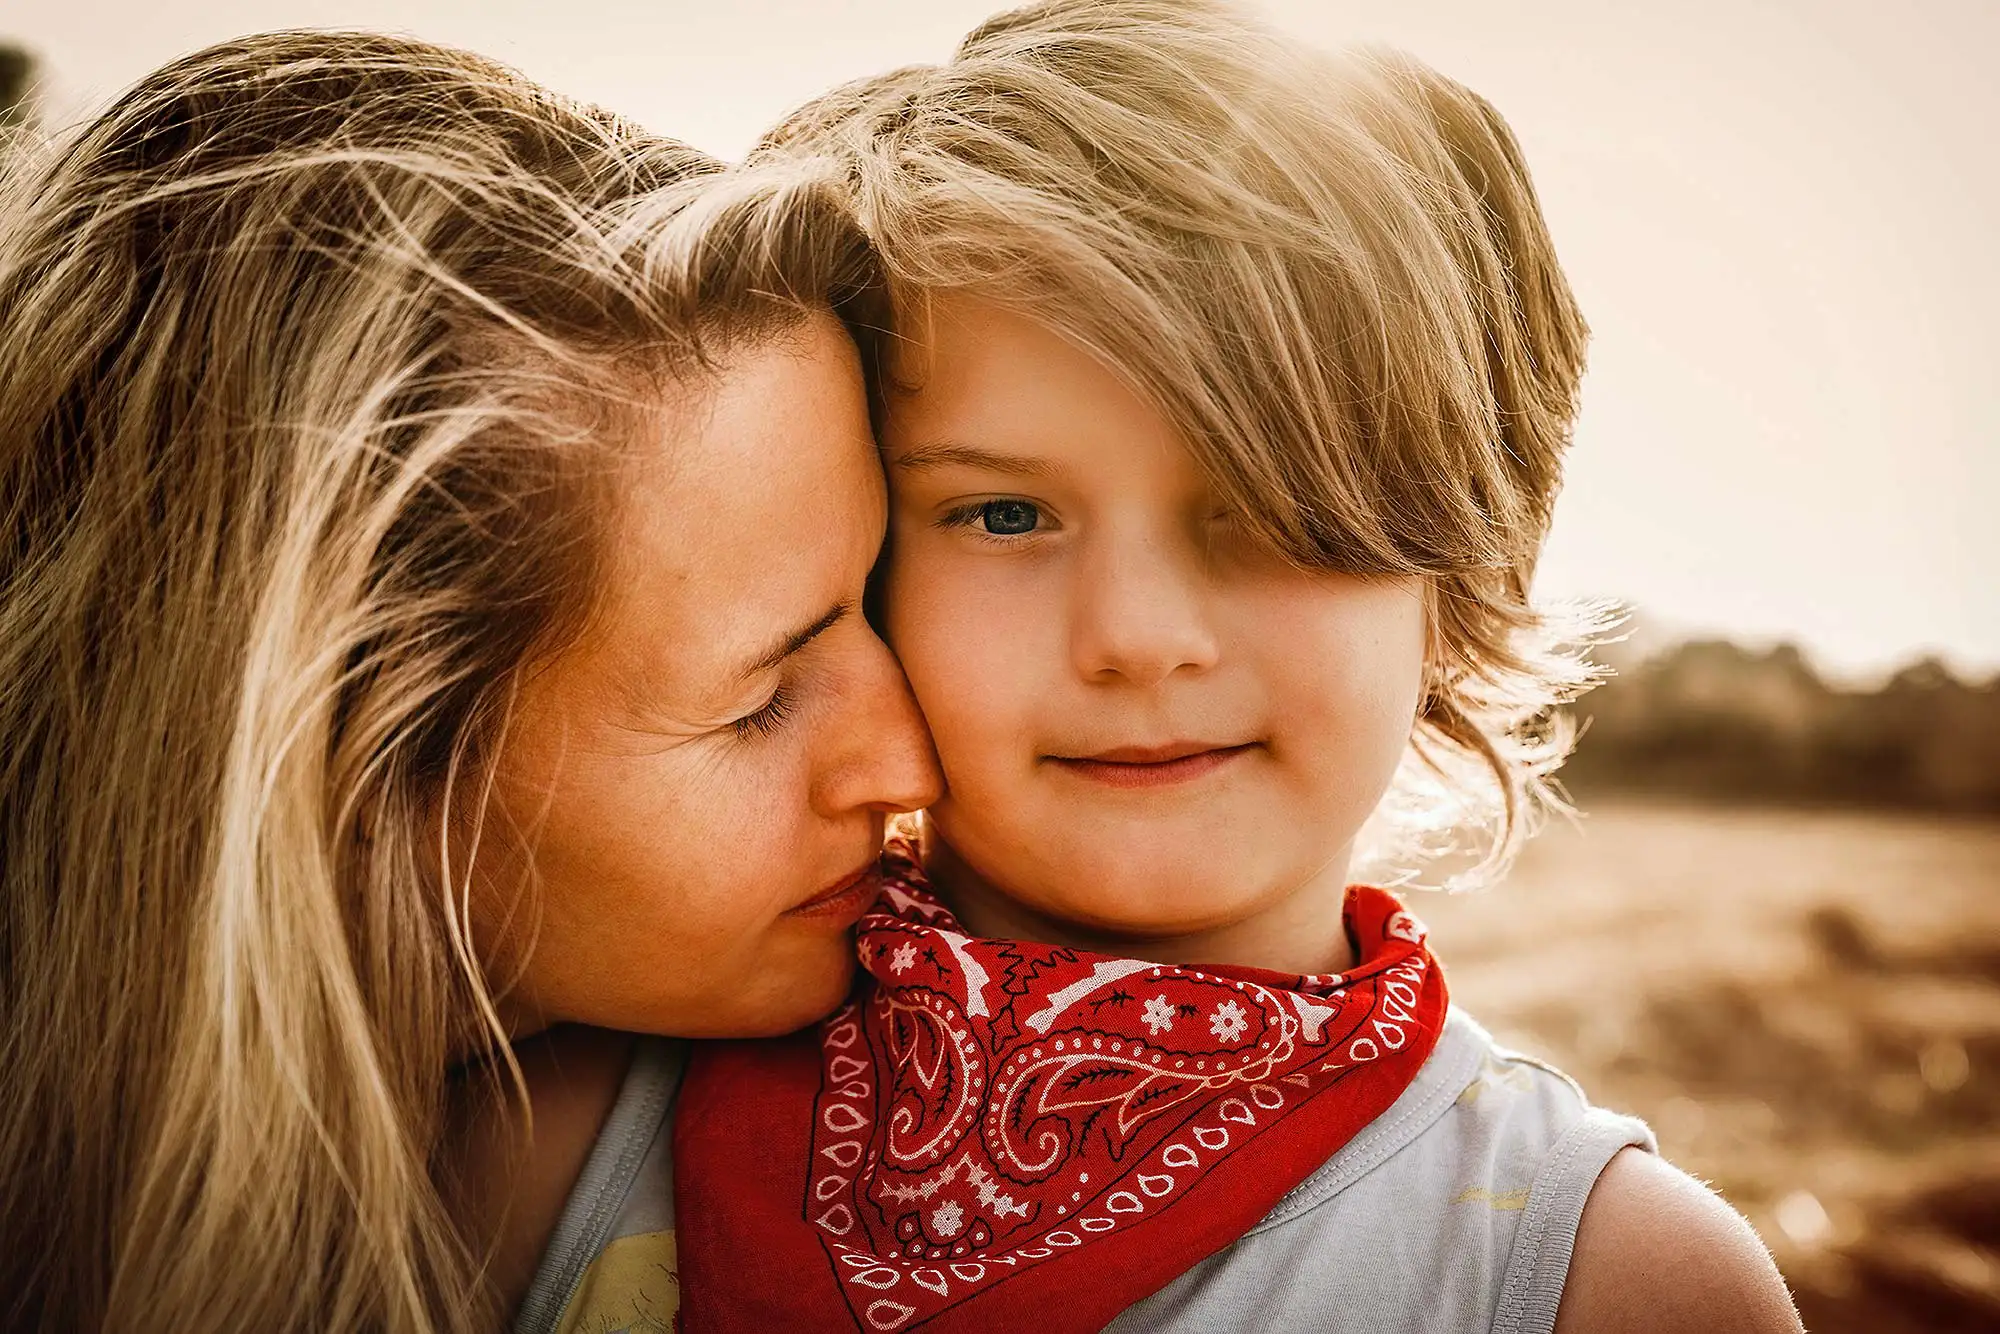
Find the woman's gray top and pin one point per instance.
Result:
(1454, 1210)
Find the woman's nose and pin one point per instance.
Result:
(1139, 614)
(883, 756)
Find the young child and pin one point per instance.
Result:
(1223, 423)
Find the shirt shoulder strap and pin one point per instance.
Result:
(597, 1208)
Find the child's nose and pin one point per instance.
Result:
(1141, 614)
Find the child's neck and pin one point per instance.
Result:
(1302, 932)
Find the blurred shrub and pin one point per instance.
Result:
(1711, 718)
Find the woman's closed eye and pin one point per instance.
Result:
(766, 720)
(1005, 517)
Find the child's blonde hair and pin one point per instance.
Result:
(316, 353)
(1332, 276)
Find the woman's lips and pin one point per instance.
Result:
(844, 900)
(1150, 766)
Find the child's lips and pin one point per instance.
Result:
(1151, 766)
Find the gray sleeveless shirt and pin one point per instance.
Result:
(1455, 1210)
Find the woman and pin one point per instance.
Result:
(436, 523)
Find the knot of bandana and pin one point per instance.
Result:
(991, 1117)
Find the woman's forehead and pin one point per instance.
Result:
(748, 515)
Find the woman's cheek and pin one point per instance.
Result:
(772, 795)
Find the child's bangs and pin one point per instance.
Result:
(1302, 301)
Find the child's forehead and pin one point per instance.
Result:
(961, 342)
(990, 388)
(929, 334)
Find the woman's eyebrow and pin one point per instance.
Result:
(928, 458)
(798, 639)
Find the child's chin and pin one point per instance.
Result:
(1140, 917)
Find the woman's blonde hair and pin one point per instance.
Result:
(316, 351)
(1330, 274)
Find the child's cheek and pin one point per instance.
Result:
(974, 633)
(1348, 685)
(933, 620)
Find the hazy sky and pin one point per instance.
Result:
(1780, 216)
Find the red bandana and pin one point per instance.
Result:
(997, 1135)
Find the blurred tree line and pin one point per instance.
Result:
(17, 87)
(17, 73)
(1714, 719)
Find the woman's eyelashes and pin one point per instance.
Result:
(996, 518)
(766, 720)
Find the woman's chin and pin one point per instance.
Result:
(789, 996)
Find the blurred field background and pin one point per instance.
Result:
(1775, 931)
(1775, 934)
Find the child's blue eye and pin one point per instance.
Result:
(996, 518)
(1009, 518)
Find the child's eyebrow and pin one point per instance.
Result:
(928, 458)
